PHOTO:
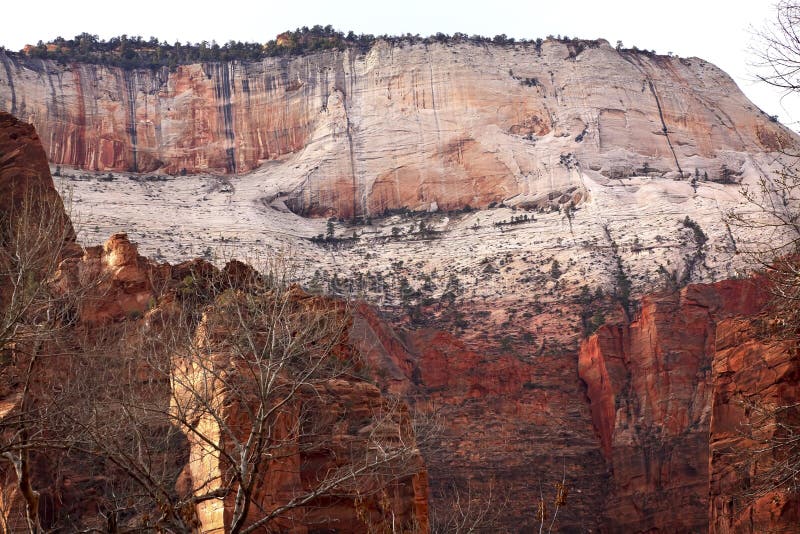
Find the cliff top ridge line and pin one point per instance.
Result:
(132, 52)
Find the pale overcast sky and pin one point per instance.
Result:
(715, 30)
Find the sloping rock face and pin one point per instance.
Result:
(420, 126)
(663, 395)
(116, 312)
(24, 171)
(27, 194)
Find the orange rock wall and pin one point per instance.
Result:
(755, 400)
(661, 392)
(438, 125)
(503, 425)
(25, 176)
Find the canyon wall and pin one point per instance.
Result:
(633, 418)
(88, 346)
(506, 426)
(666, 395)
(753, 431)
(424, 126)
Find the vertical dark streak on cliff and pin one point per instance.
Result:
(92, 146)
(10, 78)
(435, 116)
(222, 92)
(56, 112)
(340, 84)
(129, 79)
(630, 59)
(347, 102)
(283, 136)
(664, 125)
(160, 83)
(250, 151)
(53, 110)
(75, 155)
(311, 97)
(270, 86)
(326, 89)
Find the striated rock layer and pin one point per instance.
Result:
(436, 126)
(665, 394)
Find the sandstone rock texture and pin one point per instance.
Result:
(26, 188)
(663, 392)
(118, 315)
(754, 408)
(437, 126)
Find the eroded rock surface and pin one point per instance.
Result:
(436, 126)
(663, 395)
(113, 320)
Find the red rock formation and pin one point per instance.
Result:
(323, 424)
(116, 310)
(123, 286)
(505, 425)
(754, 408)
(660, 385)
(26, 188)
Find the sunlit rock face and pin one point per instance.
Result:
(422, 126)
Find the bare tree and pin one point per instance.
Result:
(259, 388)
(770, 217)
(239, 404)
(767, 453)
(35, 236)
(778, 48)
(462, 512)
(560, 500)
(773, 448)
